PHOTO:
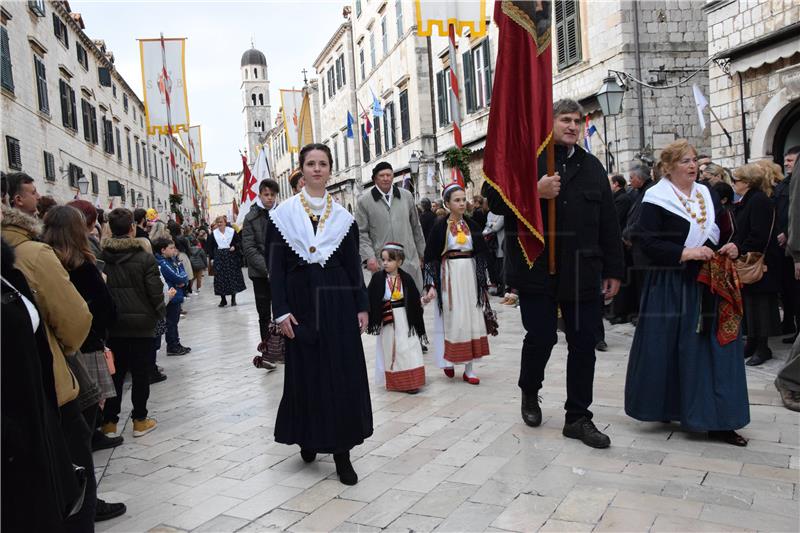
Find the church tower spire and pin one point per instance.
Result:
(256, 109)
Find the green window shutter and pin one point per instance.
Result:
(7, 73)
(441, 97)
(573, 32)
(469, 81)
(487, 59)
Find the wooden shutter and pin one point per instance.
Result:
(93, 121)
(14, 153)
(41, 85)
(377, 132)
(405, 123)
(487, 59)
(95, 184)
(62, 91)
(7, 73)
(568, 35)
(441, 97)
(49, 167)
(73, 110)
(573, 32)
(86, 116)
(469, 80)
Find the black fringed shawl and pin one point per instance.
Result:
(411, 298)
(436, 246)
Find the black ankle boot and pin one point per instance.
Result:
(762, 353)
(308, 456)
(531, 412)
(233, 300)
(223, 302)
(344, 468)
(750, 346)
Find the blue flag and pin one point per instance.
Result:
(377, 110)
(350, 125)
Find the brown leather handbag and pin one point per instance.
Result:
(751, 266)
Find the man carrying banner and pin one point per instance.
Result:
(588, 261)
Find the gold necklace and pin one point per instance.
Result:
(325, 214)
(702, 202)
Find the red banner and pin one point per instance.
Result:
(521, 116)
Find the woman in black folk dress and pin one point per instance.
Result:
(320, 301)
(226, 260)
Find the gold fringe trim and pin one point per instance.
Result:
(522, 19)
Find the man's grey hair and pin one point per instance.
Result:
(640, 169)
(566, 106)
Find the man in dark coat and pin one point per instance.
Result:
(589, 267)
(254, 234)
(427, 217)
(790, 287)
(641, 180)
(138, 293)
(622, 203)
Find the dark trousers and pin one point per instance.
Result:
(78, 437)
(173, 317)
(134, 355)
(790, 296)
(495, 267)
(539, 316)
(263, 295)
(153, 354)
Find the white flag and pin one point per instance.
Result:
(164, 80)
(292, 103)
(701, 103)
(193, 143)
(259, 172)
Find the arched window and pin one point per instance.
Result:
(254, 98)
(245, 73)
(255, 73)
(260, 99)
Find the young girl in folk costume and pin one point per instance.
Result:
(455, 270)
(395, 315)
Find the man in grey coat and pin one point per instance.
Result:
(254, 232)
(788, 380)
(387, 213)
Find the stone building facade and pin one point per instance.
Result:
(661, 43)
(755, 80)
(221, 191)
(67, 113)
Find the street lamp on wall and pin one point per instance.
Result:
(610, 99)
(413, 162)
(139, 200)
(83, 184)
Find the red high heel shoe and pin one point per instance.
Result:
(449, 371)
(472, 381)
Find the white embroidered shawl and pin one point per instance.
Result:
(665, 195)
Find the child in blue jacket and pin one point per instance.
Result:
(176, 278)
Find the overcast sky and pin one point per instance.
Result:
(290, 33)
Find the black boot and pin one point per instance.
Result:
(344, 468)
(308, 456)
(763, 353)
(102, 442)
(585, 430)
(223, 301)
(107, 511)
(750, 347)
(531, 412)
(233, 300)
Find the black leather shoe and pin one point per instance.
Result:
(749, 348)
(308, 456)
(344, 468)
(789, 340)
(601, 346)
(759, 359)
(157, 377)
(584, 430)
(531, 412)
(107, 511)
(101, 441)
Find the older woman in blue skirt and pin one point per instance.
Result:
(686, 361)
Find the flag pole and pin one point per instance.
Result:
(551, 210)
(455, 102)
(169, 117)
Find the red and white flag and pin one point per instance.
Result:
(250, 184)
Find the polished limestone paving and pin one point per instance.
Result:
(455, 457)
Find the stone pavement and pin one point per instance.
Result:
(453, 458)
